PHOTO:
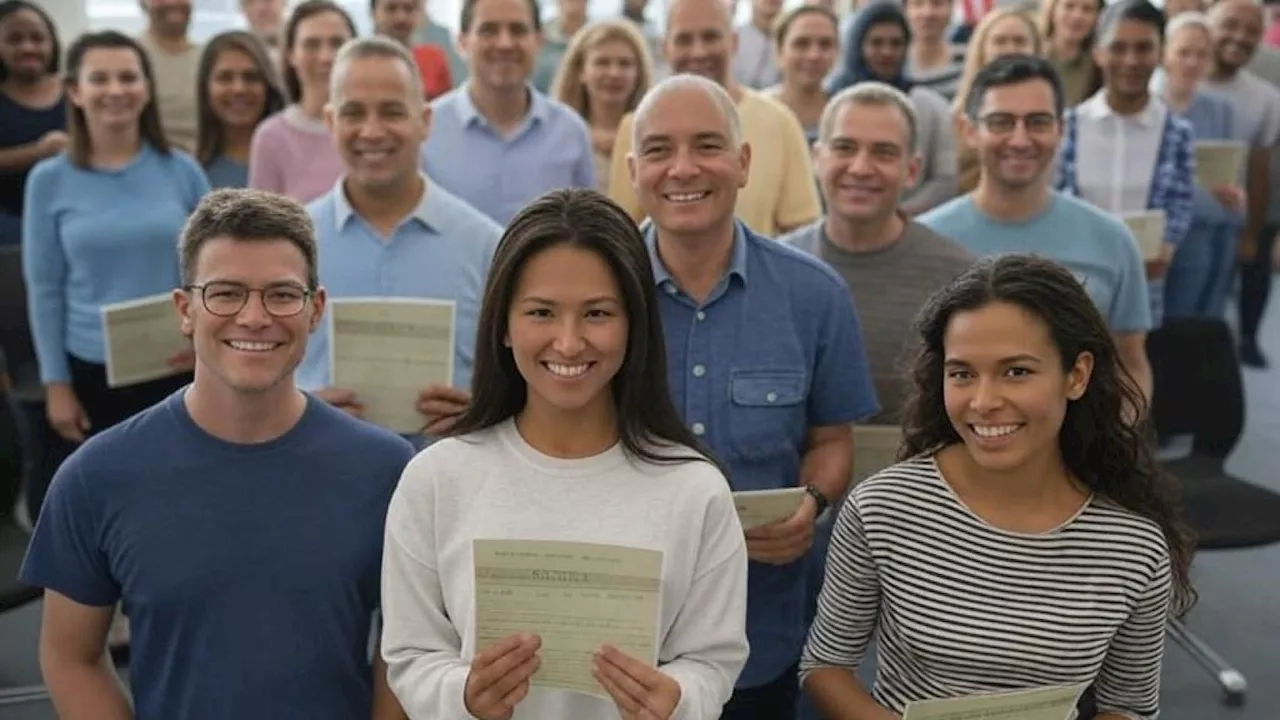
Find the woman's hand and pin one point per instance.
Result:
(66, 415)
(641, 692)
(500, 675)
(1232, 197)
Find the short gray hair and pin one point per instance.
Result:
(876, 94)
(685, 81)
(377, 46)
(1188, 19)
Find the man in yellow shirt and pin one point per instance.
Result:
(780, 194)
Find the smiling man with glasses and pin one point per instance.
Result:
(239, 521)
(1014, 119)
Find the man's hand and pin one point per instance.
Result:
(785, 541)
(639, 691)
(441, 406)
(1232, 197)
(344, 400)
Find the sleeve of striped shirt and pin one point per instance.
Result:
(1129, 682)
(850, 601)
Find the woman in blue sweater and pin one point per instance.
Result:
(100, 226)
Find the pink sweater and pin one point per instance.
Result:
(293, 155)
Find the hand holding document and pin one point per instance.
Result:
(1148, 229)
(142, 337)
(1051, 703)
(577, 597)
(762, 507)
(386, 350)
(1219, 162)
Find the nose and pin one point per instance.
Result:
(683, 165)
(254, 313)
(986, 397)
(860, 163)
(569, 341)
(505, 40)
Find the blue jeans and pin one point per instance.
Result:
(1199, 278)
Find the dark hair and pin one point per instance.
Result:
(1013, 69)
(9, 7)
(852, 68)
(150, 128)
(1136, 10)
(209, 132)
(305, 10)
(247, 216)
(783, 24)
(1100, 448)
(580, 218)
(469, 14)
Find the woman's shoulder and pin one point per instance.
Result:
(916, 477)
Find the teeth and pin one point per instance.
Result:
(687, 197)
(247, 346)
(992, 431)
(567, 370)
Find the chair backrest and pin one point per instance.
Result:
(1197, 385)
(875, 447)
(15, 328)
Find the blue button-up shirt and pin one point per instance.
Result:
(773, 351)
(441, 251)
(496, 174)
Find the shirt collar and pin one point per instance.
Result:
(469, 115)
(428, 206)
(737, 261)
(1097, 108)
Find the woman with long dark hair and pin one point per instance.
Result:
(571, 436)
(1027, 537)
(236, 89)
(33, 108)
(99, 227)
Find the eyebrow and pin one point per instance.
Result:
(598, 300)
(1011, 360)
(708, 135)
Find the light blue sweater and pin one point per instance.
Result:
(92, 237)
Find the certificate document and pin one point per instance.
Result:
(1219, 162)
(1051, 703)
(761, 507)
(575, 596)
(386, 350)
(1148, 229)
(140, 337)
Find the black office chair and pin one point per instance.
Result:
(1199, 392)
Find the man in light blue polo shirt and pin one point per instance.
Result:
(765, 358)
(385, 230)
(1014, 118)
(497, 142)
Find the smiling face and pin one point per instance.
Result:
(1004, 386)
(1016, 134)
(110, 88)
(379, 121)
(866, 162)
(610, 72)
(1129, 58)
(567, 329)
(26, 45)
(1186, 56)
(1237, 29)
(253, 351)
(686, 167)
(809, 49)
(237, 90)
(502, 44)
(1008, 36)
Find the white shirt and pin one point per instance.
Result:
(492, 484)
(1116, 154)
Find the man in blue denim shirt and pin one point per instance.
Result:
(765, 358)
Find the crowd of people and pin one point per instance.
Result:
(684, 262)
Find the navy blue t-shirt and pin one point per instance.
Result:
(250, 573)
(20, 125)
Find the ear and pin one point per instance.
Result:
(914, 165)
(968, 130)
(631, 167)
(184, 307)
(426, 120)
(328, 117)
(744, 155)
(1079, 375)
(319, 300)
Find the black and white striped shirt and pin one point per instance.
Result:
(964, 608)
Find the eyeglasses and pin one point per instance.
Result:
(1003, 123)
(228, 299)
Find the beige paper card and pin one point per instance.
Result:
(761, 507)
(140, 337)
(1219, 162)
(1148, 229)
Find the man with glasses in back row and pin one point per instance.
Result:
(239, 521)
(1013, 116)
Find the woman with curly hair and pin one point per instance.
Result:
(1027, 537)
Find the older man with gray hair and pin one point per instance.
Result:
(780, 195)
(764, 357)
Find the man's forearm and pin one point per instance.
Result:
(828, 464)
(82, 691)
